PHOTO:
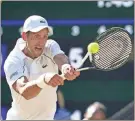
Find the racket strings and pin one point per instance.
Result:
(125, 52)
(115, 48)
(107, 49)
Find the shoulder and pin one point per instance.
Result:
(52, 48)
(15, 57)
(12, 61)
(13, 68)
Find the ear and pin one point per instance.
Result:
(24, 36)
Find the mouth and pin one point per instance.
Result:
(38, 48)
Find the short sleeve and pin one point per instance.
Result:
(55, 48)
(13, 71)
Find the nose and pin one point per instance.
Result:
(41, 41)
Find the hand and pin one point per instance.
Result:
(69, 72)
(56, 80)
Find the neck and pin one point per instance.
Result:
(28, 53)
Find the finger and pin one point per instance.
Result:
(56, 83)
(63, 79)
(69, 76)
(57, 79)
(60, 80)
(52, 82)
(71, 70)
(77, 73)
(62, 83)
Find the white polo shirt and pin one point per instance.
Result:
(17, 64)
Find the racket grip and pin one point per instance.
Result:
(81, 69)
(85, 69)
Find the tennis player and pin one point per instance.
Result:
(31, 71)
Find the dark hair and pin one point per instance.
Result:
(27, 33)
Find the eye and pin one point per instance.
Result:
(46, 36)
(36, 37)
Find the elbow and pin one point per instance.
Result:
(26, 90)
(26, 96)
(29, 94)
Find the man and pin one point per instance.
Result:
(32, 72)
(96, 111)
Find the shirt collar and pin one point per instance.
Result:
(20, 45)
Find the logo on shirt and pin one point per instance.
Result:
(44, 66)
(14, 74)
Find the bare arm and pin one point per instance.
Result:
(60, 60)
(67, 70)
(27, 89)
(30, 89)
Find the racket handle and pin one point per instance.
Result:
(86, 68)
(81, 69)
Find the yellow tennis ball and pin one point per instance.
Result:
(93, 47)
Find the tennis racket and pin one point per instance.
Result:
(115, 48)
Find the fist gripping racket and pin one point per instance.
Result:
(114, 50)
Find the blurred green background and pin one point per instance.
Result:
(75, 24)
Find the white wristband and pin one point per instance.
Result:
(41, 81)
(48, 76)
(44, 79)
(64, 68)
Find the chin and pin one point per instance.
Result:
(37, 55)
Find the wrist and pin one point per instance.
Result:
(64, 68)
(48, 76)
(44, 79)
(41, 81)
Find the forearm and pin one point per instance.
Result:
(30, 89)
(60, 60)
(68, 71)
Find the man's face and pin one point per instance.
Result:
(36, 42)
